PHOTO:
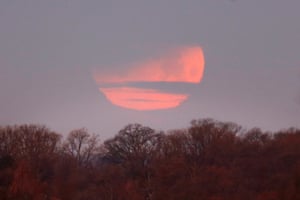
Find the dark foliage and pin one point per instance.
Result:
(210, 160)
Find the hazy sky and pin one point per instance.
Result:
(50, 48)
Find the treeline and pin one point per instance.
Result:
(209, 160)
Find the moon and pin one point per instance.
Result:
(183, 65)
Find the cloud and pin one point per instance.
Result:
(142, 99)
(182, 65)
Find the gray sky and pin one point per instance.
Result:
(48, 50)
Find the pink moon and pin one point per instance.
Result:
(184, 65)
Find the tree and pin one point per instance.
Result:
(134, 148)
(82, 146)
(209, 138)
(134, 142)
(30, 142)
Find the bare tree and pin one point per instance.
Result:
(30, 142)
(133, 142)
(134, 147)
(82, 146)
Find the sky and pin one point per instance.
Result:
(51, 53)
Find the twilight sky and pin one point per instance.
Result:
(50, 52)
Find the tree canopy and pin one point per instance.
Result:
(209, 160)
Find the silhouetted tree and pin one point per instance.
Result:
(134, 147)
(133, 143)
(82, 146)
(209, 160)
